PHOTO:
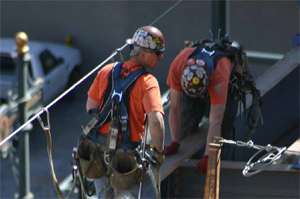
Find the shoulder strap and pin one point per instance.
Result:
(120, 86)
(117, 89)
(211, 56)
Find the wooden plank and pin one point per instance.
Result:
(188, 147)
(212, 182)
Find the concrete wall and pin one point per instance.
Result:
(99, 27)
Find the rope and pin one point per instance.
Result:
(49, 148)
(165, 13)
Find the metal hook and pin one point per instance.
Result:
(48, 120)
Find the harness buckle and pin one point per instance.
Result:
(234, 83)
(106, 157)
(117, 94)
(210, 53)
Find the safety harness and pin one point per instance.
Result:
(115, 110)
(116, 105)
(210, 55)
(240, 79)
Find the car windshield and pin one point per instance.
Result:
(7, 65)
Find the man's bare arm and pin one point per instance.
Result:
(157, 130)
(175, 115)
(215, 122)
(91, 104)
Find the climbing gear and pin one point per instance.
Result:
(124, 169)
(241, 80)
(194, 78)
(270, 154)
(148, 38)
(49, 150)
(117, 94)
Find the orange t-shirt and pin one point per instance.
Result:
(219, 79)
(144, 97)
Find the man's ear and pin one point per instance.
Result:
(142, 54)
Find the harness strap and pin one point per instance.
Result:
(119, 88)
(211, 56)
(256, 100)
(159, 182)
(49, 148)
(55, 181)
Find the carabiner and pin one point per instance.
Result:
(48, 120)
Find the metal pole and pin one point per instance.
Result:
(213, 170)
(22, 73)
(218, 18)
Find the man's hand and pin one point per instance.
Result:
(173, 148)
(202, 164)
(159, 158)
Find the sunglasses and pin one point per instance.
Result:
(157, 53)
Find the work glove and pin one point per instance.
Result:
(158, 157)
(172, 148)
(202, 164)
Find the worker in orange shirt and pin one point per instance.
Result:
(194, 73)
(141, 97)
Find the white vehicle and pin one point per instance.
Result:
(57, 64)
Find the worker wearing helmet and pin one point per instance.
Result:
(147, 46)
(190, 78)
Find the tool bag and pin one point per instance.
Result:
(91, 164)
(125, 170)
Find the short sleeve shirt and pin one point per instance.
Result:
(219, 79)
(144, 97)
